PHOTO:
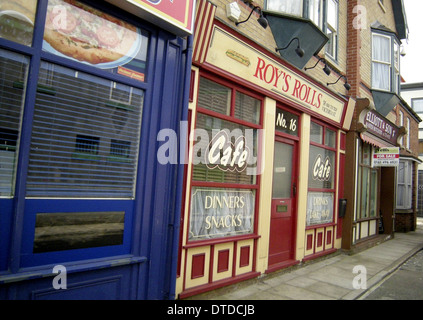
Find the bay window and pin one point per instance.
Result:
(385, 62)
(405, 184)
(293, 7)
(323, 13)
(332, 28)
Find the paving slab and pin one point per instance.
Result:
(331, 277)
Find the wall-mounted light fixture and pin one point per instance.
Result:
(261, 20)
(346, 85)
(233, 12)
(300, 52)
(326, 69)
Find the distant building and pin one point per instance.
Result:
(412, 93)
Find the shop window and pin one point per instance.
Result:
(247, 108)
(13, 69)
(316, 133)
(321, 180)
(385, 62)
(367, 184)
(405, 184)
(214, 96)
(75, 134)
(225, 162)
(330, 138)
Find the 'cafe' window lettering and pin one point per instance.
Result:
(225, 155)
(322, 169)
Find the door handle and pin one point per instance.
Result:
(294, 189)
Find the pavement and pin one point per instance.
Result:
(340, 276)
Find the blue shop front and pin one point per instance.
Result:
(86, 209)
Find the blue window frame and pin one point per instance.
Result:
(71, 145)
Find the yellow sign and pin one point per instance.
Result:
(271, 75)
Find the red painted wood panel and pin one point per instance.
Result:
(198, 265)
(223, 261)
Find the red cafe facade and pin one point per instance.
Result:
(265, 168)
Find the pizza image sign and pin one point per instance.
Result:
(84, 34)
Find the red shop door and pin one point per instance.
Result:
(283, 217)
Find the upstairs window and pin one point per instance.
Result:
(417, 105)
(293, 7)
(332, 29)
(323, 13)
(385, 63)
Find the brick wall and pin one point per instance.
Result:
(264, 38)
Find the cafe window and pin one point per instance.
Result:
(385, 62)
(321, 178)
(225, 162)
(368, 178)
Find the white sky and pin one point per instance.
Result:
(412, 63)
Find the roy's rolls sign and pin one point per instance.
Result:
(271, 75)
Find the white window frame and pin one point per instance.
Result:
(282, 5)
(332, 30)
(419, 102)
(401, 116)
(316, 12)
(405, 182)
(393, 62)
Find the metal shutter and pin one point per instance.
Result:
(85, 136)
